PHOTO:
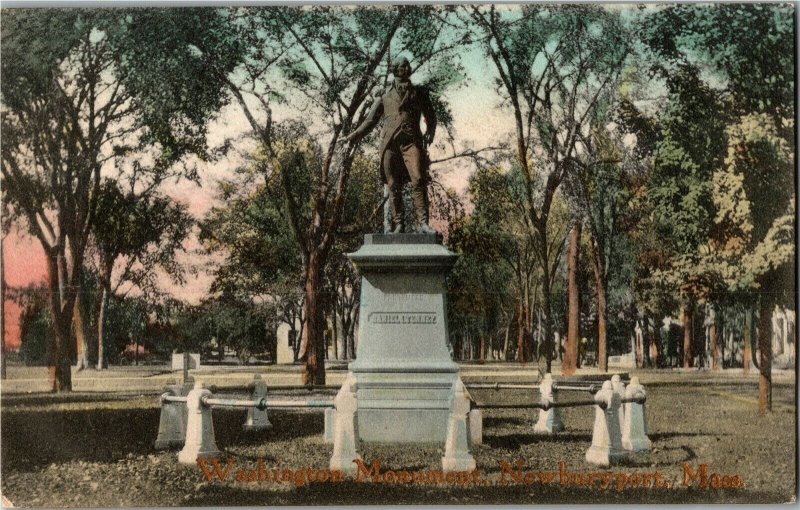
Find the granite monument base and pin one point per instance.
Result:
(405, 376)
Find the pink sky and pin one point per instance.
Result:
(24, 263)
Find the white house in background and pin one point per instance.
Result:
(285, 341)
(784, 335)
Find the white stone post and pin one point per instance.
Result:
(185, 388)
(551, 420)
(619, 388)
(606, 446)
(634, 431)
(788, 340)
(199, 428)
(345, 431)
(257, 419)
(457, 454)
(171, 426)
(330, 425)
(475, 427)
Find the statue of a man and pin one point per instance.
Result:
(402, 148)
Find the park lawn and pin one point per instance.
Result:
(85, 450)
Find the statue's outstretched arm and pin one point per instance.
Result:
(373, 117)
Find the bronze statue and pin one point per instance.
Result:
(402, 151)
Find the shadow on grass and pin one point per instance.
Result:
(514, 441)
(658, 436)
(47, 399)
(354, 493)
(35, 439)
(499, 421)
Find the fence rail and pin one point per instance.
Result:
(618, 428)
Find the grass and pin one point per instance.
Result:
(97, 450)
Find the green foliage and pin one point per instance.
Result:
(229, 322)
(253, 226)
(751, 45)
(480, 285)
(150, 57)
(717, 188)
(691, 145)
(754, 226)
(35, 325)
(146, 230)
(162, 59)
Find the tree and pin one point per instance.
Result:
(252, 230)
(735, 40)
(79, 89)
(486, 288)
(553, 65)
(754, 238)
(690, 145)
(144, 231)
(570, 361)
(762, 90)
(332, 65)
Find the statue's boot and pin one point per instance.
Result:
(396, 210)
(419, 195)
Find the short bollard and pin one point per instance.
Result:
(606, 446)
(257, 419)
(619, 388)
(475, 427)
(345, 431)
(457, 454)
(199, 428)
(330, 425)
(550, 420)
(171, 427)
(634, 431)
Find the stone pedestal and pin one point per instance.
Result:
(404, 373)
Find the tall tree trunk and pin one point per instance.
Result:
(59, 366)
(352, 321)
(81, 335)
(506, 343)
(688, 340)
(747, 339)
(522, 351)
(313, 343)
(102, 307)
(602, 308)
(570, 360)
(602, 343)
(547, 341)
(335, 333)
(346, 335)
(638, 344)
(295, 336)
(655, 343)
(765, 355)
(713, 340)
